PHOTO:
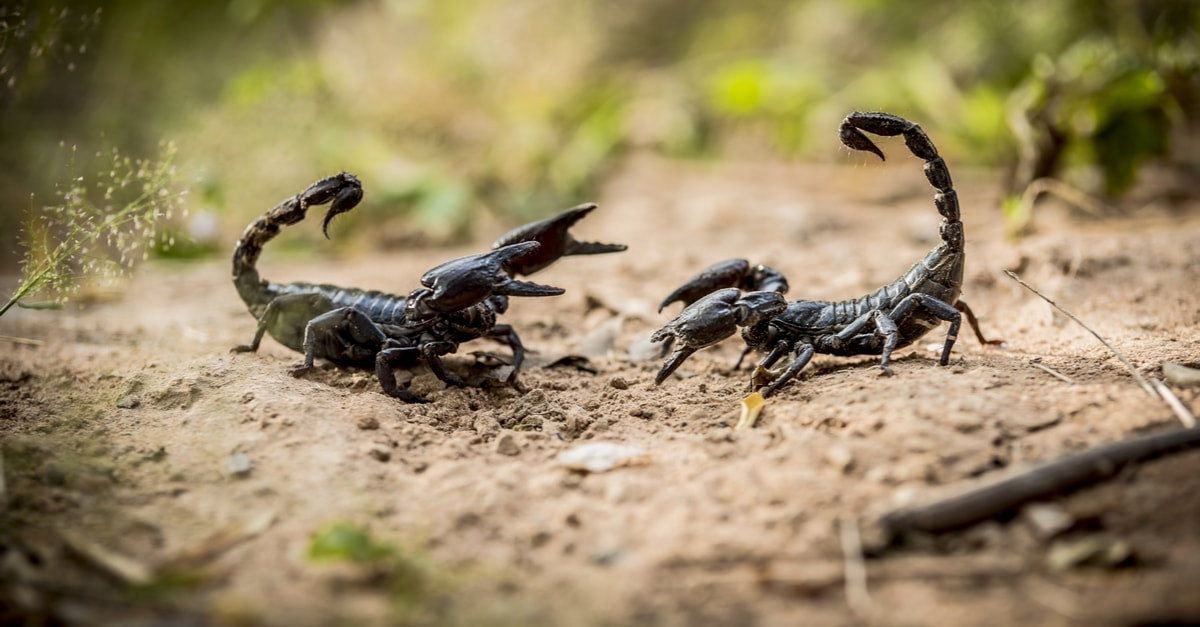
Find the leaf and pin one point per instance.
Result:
(42, 306)
(751, 406)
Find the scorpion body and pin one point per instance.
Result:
(460, 300)
(894, 316)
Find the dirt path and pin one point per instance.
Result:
(137, 449)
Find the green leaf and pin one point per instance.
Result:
(41, 306)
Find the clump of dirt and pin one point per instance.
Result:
(150, 473)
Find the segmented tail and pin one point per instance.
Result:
(344, 190)
(886, 124)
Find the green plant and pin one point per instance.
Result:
(97, 228)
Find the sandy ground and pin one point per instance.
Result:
(151, 475)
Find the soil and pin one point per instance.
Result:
(150, 475)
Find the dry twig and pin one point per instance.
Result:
(20, 340)
(1132, 370)
(1181, 411)
(1000, 496)
(854, 571)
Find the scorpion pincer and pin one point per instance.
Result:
(459, 301)
(734, 294)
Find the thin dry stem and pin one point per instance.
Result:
(1181, 411)
(20, 340)
(1129, 365)
(1058, 375)
(855, 569)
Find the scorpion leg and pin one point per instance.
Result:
(386, 360)
(737, 365)
(888, 329)
(252, 347)
(344, 335)
(432, 352)
(506, 334)
(804, 354)
(763, 375)
(974, 322)
(284, 314)
(938, 309)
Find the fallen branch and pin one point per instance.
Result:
(1001, 496)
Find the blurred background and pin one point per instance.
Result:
(449, 111)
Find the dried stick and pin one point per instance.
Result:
(987, 501)
(1181, 411)
(1037, 363)
(1132, 370)
(854, 569)
(20, 340)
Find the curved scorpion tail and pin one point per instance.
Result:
(343, 190)
(946, 200)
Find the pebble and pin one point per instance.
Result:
(128, 401)
(381, 452)
(506, 444)
(601, 456)
(368, 423)
(239, 464)
(1047, 519)
(618, 383)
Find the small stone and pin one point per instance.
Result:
(506, 444)
(368, 423)
(381, 452)
(577, 419)
(1096, 551)
(601, 456)
(618, 383)
(1181, 375)
(239, 465)
(1047, 519)
(841, 458)
(128, 401)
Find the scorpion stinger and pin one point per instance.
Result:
(892, 317)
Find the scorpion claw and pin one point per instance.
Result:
(554, 236)
(732, 273)
(466, 281)
(717, 276)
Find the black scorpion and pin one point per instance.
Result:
(459, 302)
(734, 294)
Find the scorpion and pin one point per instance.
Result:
(459, 300)
(733, 294)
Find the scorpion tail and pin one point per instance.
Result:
(886, 124)
(343, 190)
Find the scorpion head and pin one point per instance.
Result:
(754, 308)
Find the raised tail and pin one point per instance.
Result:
(946, 200)
(344, 190)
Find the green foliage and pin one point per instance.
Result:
(344, 541)
(450, 109)
(101, 225)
